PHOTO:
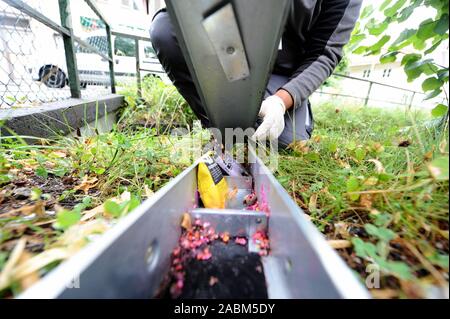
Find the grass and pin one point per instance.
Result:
(78, 187)
(374, 181)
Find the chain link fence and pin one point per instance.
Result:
(26, 45)
(57, 49)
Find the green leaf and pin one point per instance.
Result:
(377, 28)
(389, 57)
(36, 193)
(404, 36)
(418, 44)
(439, 168)
(381, 233)
(433, 94)
(436, 259)
(65, 219)
(376, 48)
(353, 186)
(363, 249)
(440, 110)
(112, 208)
(410, 58)
(3, 258)
(433, 47)
(41, 172)
(385, 4)
(391, 11)
(443, 75)
(426, 29)
(396, 268)
(360, 154)
(415, 69)
(367, 12)
(431, 84)
(405, 13)
(441, 26)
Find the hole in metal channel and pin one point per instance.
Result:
(152, 255)
(288, 264)
(230, 50)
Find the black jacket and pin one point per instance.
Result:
(315, 33)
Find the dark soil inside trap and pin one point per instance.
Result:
(231, 273)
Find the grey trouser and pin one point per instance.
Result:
(299, 122)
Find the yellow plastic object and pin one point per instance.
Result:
(212, 186)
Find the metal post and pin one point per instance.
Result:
(412, 100)
(111, 56)
(368, 94)
(69, 48)
(138, 67)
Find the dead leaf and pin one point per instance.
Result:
(340, 244)
(371, 181)
(377, 147)
(49, 165)
(232, 194)
(38, 262)
(38, 209)
(87, 183)
(186, 221)
(442, 147)
(7, 273)
(313, 203)
(30, 279)
(384, 293)
(428, 156)
(341, 228)
(100, 210)
(148, 192)
(59, 154)
(366, 200)
(343, 164)
(76, 237)
(300, 147)
(378, 165)
(2, 196)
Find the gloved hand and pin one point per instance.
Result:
(272, 111)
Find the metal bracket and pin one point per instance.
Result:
(223, 32)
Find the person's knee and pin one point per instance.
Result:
(160, 34)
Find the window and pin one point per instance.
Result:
(366, 73)
(124, 47)
(387, 73)
(98, 42)
(133, 4)
(149, 52)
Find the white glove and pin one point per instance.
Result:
(272, 111)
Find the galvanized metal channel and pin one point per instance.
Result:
(131, 259)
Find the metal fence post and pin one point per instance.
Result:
(111, 56)
(366, 102)
(69, 48)
(138, 67)
(412, 100)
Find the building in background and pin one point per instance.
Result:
(154, 5)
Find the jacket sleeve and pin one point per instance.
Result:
(324, 46)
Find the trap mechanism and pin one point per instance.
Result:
(228, 57)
